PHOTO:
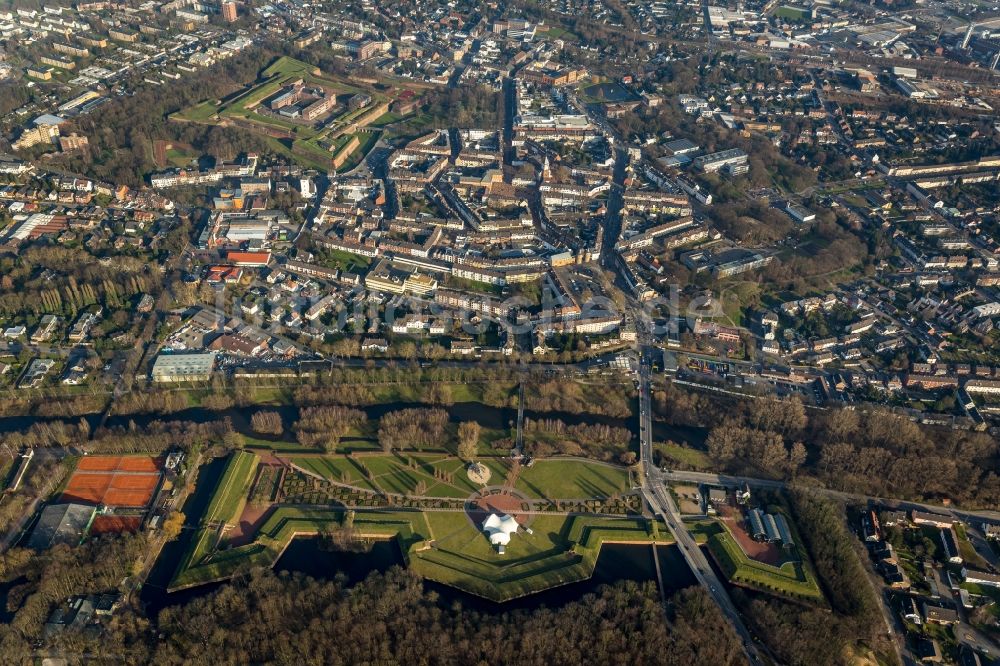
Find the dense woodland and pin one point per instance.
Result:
(390, 618)
(545, 437)
(557, 395)
(323, 427)
(79, 281)
(809, 636)
(872, 451)
(35, 583)
(412, 429)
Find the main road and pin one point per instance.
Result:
(655, 491)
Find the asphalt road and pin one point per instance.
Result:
(655, 492)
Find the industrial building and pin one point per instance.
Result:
(183, 367)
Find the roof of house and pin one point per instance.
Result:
(249, 257)
(939, 613)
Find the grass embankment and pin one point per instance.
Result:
(446, 547)
(561, 550)
(232, 491)
(440, 545)
(791, 578)
(226, 505)
(683, 457)
(968, 551)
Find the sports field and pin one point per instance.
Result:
(116, 481)
(115, 524)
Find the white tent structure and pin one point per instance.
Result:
(499, 529)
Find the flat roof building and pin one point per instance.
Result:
(183, 367)
(716, 161)
(61, 524)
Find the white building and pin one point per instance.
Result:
(499, 529)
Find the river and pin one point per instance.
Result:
(487, 416)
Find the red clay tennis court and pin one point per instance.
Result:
(115, 524)
(119, 463)
(126, 481)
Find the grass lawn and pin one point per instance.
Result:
(440, 545)
(366, 140)
(473, 285)
(392, 473)
(179, 158)
(287, 66)
(347, 261)
(793, 13)
(967, 550)
(560, 550)
(386, 118)
(559, 33)
(339, 469)
(683, 457)
(199, 112)
(571, 479)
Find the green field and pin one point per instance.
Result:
(791, 12)
(792, 578)
(394, 473)
(684, 457)
(401, 473)
(346, 261)
(561, 550)
(387, 118)
(180, 158)
(571, 479)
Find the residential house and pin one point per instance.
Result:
(940, 614)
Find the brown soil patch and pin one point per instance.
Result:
(768, 553)
(250, 521)
(499, 502)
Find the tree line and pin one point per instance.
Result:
(870, 451)
(291, 619)
(596, 440)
